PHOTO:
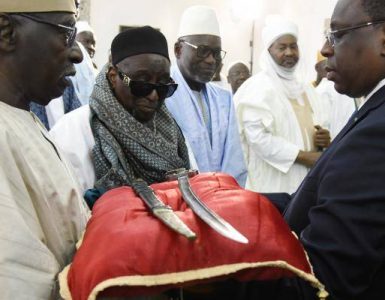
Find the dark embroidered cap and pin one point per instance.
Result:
(136, 41)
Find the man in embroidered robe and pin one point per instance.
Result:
(279, 116)
(126, 131)
(204, 111)
(42, 214)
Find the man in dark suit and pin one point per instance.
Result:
(338, 211)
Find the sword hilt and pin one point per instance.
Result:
(147, 194)
(175, 174)
(162, 211)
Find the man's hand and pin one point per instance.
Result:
(307, 158)
(321, 137)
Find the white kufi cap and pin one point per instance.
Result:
(198, 20)
(83, 26)
(276, 26)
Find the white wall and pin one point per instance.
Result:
(106, 16)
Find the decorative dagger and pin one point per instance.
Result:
(160, 210)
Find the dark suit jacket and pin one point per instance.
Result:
(339, 209)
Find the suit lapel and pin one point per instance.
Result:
(373, 102)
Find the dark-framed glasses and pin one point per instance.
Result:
(143, 88)
(204, 51)
(70, 32)
(333, 36)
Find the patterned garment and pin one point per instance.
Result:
(70, 102)
(126, 149)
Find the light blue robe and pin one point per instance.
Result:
(224, 153)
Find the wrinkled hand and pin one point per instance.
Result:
(321, 137)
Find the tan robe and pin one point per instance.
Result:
(42, 215)
(305, 120)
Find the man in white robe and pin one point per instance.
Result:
(84, 78)
(204, 111)
(42, 214)
(279, 117)
(341, 106)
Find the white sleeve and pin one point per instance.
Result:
(73, 135)
(54, 110)
(255, 113)
(274, 150)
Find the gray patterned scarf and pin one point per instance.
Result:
(126, 149)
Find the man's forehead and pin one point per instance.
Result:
(238, 67)
(347, 13)
(204, 39)
(286, 39)
(87, 34)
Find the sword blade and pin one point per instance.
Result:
(206, 214)
(163, 212)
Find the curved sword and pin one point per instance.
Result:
(205, 213)
(163, 212)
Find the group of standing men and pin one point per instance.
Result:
(337, 211)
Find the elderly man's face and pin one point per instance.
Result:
(87, 39)
(284, 51)
(355, 63)
(238, 75)
(194, 68)
(151, 68)
(44, 58)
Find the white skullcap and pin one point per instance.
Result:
(276, 26)
(199, 19)
(82, 26)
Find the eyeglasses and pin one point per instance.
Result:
(333, 36)
(204, 51)
(70, 32)
(142, 88)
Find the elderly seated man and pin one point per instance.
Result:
(126, 131)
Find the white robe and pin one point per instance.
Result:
(270, 134)
(84, 78)
(42, 214)
(341, 106)
(54, 110)
(73, 134)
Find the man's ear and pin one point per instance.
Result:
(7, 33)
(177, 49)
(111, 76)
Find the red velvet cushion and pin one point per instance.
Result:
(125, 245)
